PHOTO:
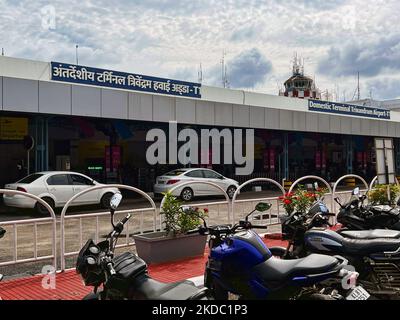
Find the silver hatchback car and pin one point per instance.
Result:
(177, 177)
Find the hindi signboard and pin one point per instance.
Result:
(122, 80)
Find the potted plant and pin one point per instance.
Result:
(173, 243)
(379, 195)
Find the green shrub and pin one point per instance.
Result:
(177, 219)
(379, 196)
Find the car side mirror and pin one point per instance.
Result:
(115, 201)
(263, 206)
(2, 232)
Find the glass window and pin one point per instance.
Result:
(195, 174)
(174, 173)
(58, 180)
(30, 178)
(211, 174)
(80, 180)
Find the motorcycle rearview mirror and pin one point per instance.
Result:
(356, 191)
(2, 232)
(114, 204)
(263, 206)
(115, 201)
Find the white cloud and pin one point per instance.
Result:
(170, 38)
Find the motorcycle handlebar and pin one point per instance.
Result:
(111, 269)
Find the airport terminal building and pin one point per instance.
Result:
(95, 121)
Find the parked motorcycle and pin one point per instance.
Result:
(126, 276)
(355, 215)
(374, 253)
(240, 265)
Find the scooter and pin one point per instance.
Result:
(374, 253)
(355, 215)
(241, 266)
(126, 276)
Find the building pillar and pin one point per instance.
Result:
(286, 156)
(40, 134)
(349, 154)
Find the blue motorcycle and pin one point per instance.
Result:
(241, 266)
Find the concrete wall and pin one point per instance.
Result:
(58, 98)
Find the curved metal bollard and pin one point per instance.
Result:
(251, 181)
(315, 178)
(29, 221)
(119, 186)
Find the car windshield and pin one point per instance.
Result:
(175, 173)
(31, 178)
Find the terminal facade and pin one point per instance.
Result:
(74, 117)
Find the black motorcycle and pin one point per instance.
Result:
(374, 253)
(125, 277)
(355, 215)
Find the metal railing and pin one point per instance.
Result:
(35, 223)
(128, 240)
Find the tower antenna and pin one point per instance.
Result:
(200, 74)
(76, 53)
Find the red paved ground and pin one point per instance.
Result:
(70, 287)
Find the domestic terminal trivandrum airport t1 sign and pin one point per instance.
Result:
(348, 109)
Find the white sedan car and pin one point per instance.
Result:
(56, 188)
(174, 178)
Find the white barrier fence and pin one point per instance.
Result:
(97, 216)
(84, 226)
(35, 223)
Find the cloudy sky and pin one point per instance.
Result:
(170, 38)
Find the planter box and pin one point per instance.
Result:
(154, 247)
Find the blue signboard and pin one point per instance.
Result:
(348, 109)
(121, 80)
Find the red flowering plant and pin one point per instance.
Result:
(288, 202)
(300, 200)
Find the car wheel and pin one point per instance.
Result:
(231, 191)
(41, 209)
(187, 194)
(105, 200)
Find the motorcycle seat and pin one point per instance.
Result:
(146, 288)
(385, 209)
(370, 234)
(275, 271)
(369, 246)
